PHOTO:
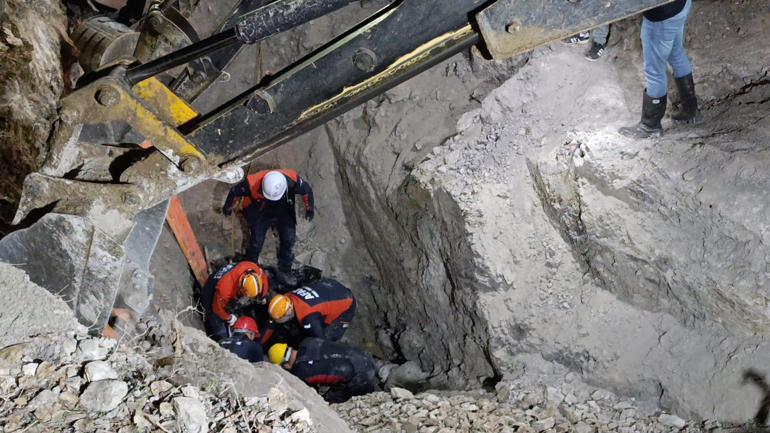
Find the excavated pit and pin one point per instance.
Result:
(500, 234)
(497, 231)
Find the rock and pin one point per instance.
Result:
(166, 410)
(44, 399)
(401, 393)
(159, 387)
(582, 427)
(543, 424)
(553, 395)
(302, 416)
(68, 400)
(191, 415)
(671, 420)
(93, 349)
(602, 394)
(277, 400)
(99, 370)
(29, 369)
(191, 391)
(103, 395)
(430, 398)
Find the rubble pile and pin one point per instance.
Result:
(78, 383)
(547, 410)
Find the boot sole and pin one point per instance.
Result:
(697, 120)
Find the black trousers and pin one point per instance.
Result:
(287, 235)
(216, 328)
(336, 330)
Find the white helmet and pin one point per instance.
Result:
(274, 185)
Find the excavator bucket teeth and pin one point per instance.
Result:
(71, 258)
(91, 270)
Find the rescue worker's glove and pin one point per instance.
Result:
(310, 214)
(226, 210)
(233, 319)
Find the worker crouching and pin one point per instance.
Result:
(243, 281)
(323, 309)
(347, 371)
(244, 341)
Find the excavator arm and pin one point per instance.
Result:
(126, 142)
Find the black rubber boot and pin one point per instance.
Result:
(286, 276)
(653, 110)
(688, 109)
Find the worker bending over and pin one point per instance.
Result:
(226, 287)
(268, 200)
(323, 309)
(347, 371)
(244, 342)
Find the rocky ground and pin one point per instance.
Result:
(440, 412)
(54, 377)
(77, 383)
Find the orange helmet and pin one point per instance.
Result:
(254, 283)
(246, 324)
(281, 308)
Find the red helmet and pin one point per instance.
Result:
(246, 324)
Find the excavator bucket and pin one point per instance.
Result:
(511, 27)
(88, 268)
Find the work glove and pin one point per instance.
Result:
(227, 211)
(233, 319)
(310, 214)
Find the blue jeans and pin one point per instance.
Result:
(600, 34)
(663, 44)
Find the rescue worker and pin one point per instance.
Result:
(242, 281)
(269, 201)
(347, 371)
(323, 309)
(663, 45)
(244, 342)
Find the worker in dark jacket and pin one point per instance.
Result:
(234, 283)
(663, 45)
(268, 200)
(323, 309)
(244, 342)
(347, 371)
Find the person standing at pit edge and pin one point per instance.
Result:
(663, 45)
(269, 201)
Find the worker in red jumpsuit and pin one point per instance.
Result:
(244, 342)
(323, 309)
(347, 371)
(268, 200)
(234, 282)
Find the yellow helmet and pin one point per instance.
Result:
(279, 353)
(251, 284)
(281, 308)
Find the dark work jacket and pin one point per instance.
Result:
(243, 347)
(666, 11)
(346, 368)
(320, 304)
(256, 206)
